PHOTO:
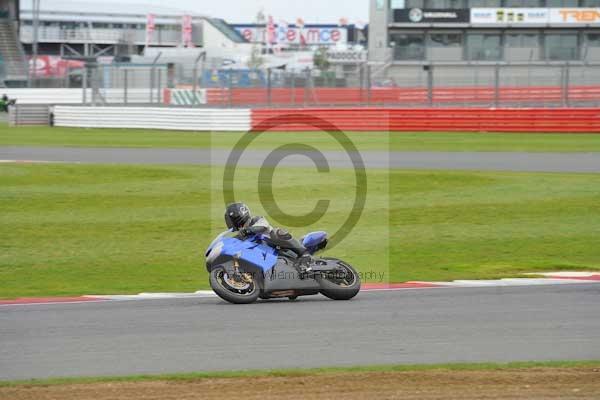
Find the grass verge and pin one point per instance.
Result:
(382, 141)
(114, 229)
(310, 372)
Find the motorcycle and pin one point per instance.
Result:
(244, 269)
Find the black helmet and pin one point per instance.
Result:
(237, 215)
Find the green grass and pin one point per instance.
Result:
(308, 372)
(445, 141)
(91, 229)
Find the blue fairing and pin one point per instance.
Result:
(251, 251)
(217, 241)
(312, 240)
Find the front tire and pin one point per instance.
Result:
(342, 285)
(231, 291)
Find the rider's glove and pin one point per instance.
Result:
(244, 232)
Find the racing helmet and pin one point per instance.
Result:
(237, 216)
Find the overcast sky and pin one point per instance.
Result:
(312, 11)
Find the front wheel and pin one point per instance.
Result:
(237, 290)
(343, 284)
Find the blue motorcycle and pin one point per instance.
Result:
(244, 269)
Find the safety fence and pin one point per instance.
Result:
(571, 120)
(188, 119)
(547, 96)
(406, 97)
(393, 84)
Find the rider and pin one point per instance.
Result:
(239, 219)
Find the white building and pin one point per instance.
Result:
(90, 34)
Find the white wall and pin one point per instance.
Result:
(185, 119)
(75, 96)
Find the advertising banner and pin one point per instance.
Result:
(417, 15)
(186, 31)
(570, 16)
(53, 66)
(510, 15)
(271, 32)
(150, 28)
(295, 35)
(540, 16)
(346, 56)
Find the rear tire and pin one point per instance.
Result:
(336, 288)
(218, 282)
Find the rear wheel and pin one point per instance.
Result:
(242, 289)
(342, 284)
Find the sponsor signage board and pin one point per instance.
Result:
(509, 15)
(569, 16)
(186, 31)
(296, 35)
(150, 27)
(347, 56)
(540, 16)
(418, 15)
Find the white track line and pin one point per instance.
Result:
(553, 279)
(54, 304)
(517, 282)
(566, 274)
(157, 296)
(27, 162)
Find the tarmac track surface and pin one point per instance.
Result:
(484, 161)
(499, 324)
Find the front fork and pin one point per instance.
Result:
(237, 275)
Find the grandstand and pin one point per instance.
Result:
(91, 34)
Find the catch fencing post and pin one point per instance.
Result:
(269, 87)
(293, 86)
(563, 85)
(125, 83)
(361, 82)
(152, 76)
(305, 95)
(195, 73)
(159, 86)
(230, 87)
(369, 83)
(497, 85)
(93, 82)
(567, 84)
(151, 100)
(85, 84)
(429, 69)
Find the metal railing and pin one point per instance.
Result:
(410, 85)
(162, 37)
